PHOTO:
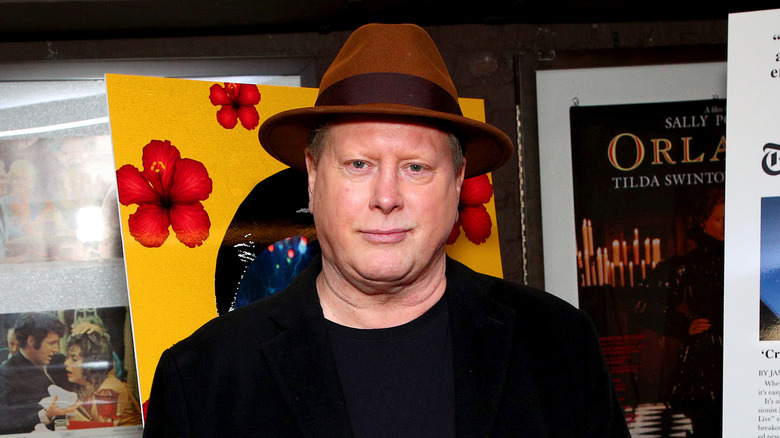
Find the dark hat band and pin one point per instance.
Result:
(397, 88)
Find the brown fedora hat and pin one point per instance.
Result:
(386, 69)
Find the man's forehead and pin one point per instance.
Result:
(383, 119)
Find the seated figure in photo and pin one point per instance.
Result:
(102, 396)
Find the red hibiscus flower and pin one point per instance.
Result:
(238, 103)
(168, 193)
(473, 215)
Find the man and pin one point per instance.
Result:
(25, 377)
(13, 343)
(383, 335)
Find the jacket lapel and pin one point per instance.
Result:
(302, 363)
(483, 333)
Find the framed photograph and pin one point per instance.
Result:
(68, 369)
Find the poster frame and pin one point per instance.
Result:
(538, 221)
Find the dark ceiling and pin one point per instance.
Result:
(85, 19)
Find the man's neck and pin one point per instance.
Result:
(367, 307)
(27, 356)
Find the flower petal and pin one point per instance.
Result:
(249, 117)
(455, 233)
(149, 225)
(133, 188)
(248, 95)
(227, 116)
(476, 223)
(191, 223)
(191, 183)
(218, 96)
(232, 92)
(159, 159)
(476, 191)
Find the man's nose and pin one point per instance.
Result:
(387, 194)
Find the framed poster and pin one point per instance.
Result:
(618, 77)
(649, 204)
(558, 91)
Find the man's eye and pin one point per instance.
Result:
(416, 167)
(357, 164)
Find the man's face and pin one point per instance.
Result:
(42, 355)
(384, 196)
(13, 344)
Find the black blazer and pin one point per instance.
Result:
(527, 364)
(22, 386)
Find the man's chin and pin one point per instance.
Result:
(383, 269)
(390, 273)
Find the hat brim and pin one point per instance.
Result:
(285, 135)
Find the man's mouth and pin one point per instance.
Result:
(394, 235)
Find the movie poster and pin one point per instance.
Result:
(649, 207)
(210, 222)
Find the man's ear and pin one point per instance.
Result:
(30, 342)
(311, 173)
(461, 176)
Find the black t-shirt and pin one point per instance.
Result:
(398, 381)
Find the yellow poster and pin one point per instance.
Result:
(205, 210)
